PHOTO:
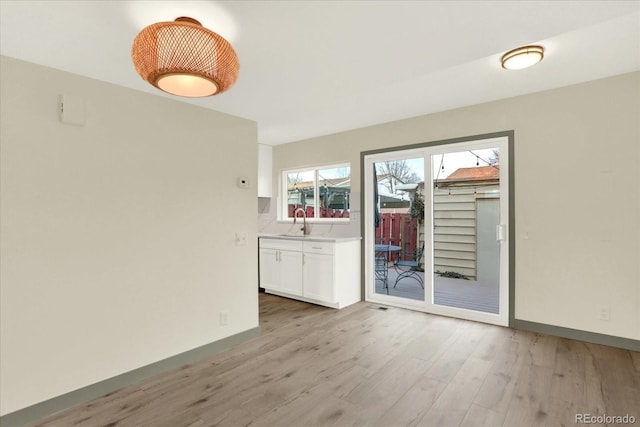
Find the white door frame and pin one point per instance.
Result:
(501, 142)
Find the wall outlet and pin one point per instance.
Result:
(603, 312)
(224, 318)
(241, 238)
(72, 110)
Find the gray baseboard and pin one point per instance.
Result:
(48, 407)
(576, 334)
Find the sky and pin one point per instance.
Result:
(451, 163)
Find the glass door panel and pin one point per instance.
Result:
(399, 227)
(466, 214)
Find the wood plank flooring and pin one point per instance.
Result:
(366, 366)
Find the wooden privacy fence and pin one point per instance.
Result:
(324, 212)
(398, 229)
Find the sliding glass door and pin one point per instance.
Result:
(398, 226)
(436, 229)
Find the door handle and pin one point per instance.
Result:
(501, 232)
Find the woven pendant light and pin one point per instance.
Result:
(184, 58)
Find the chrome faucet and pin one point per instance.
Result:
(305, 229)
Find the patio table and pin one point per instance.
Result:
(387, 248)
(382, 262)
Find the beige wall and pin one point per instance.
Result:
(117, 238)
(577, 186)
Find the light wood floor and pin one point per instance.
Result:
(364, 366)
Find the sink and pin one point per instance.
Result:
(309, 237)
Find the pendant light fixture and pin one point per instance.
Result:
(184, 58)
(522, 57)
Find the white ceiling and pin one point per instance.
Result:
(311, 68)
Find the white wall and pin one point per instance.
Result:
(117, 238)
(577, 186)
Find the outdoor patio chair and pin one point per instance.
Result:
(407, 266)
(382, 265)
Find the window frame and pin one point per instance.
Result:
(284, 192)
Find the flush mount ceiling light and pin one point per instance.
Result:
(522, 57)
(184, 58)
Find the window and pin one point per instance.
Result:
(323, 192)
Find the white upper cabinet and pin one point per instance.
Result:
(265, 173)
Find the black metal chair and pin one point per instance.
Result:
(382, 265)
(408, 265)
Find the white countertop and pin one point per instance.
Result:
(308, 238)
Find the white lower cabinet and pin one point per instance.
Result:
(321, 272)
(269, 268)
(291, 269)
(281, 266)
(317, 276)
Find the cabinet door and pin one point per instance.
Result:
(291, 272)
(264, 170)
(269, 269)
(318, 277)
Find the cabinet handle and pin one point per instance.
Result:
(316, 247)
(303, 259)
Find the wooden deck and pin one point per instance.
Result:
(460, 293)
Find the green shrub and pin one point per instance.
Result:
(451, 274)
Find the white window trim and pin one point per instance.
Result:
(283, 205)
